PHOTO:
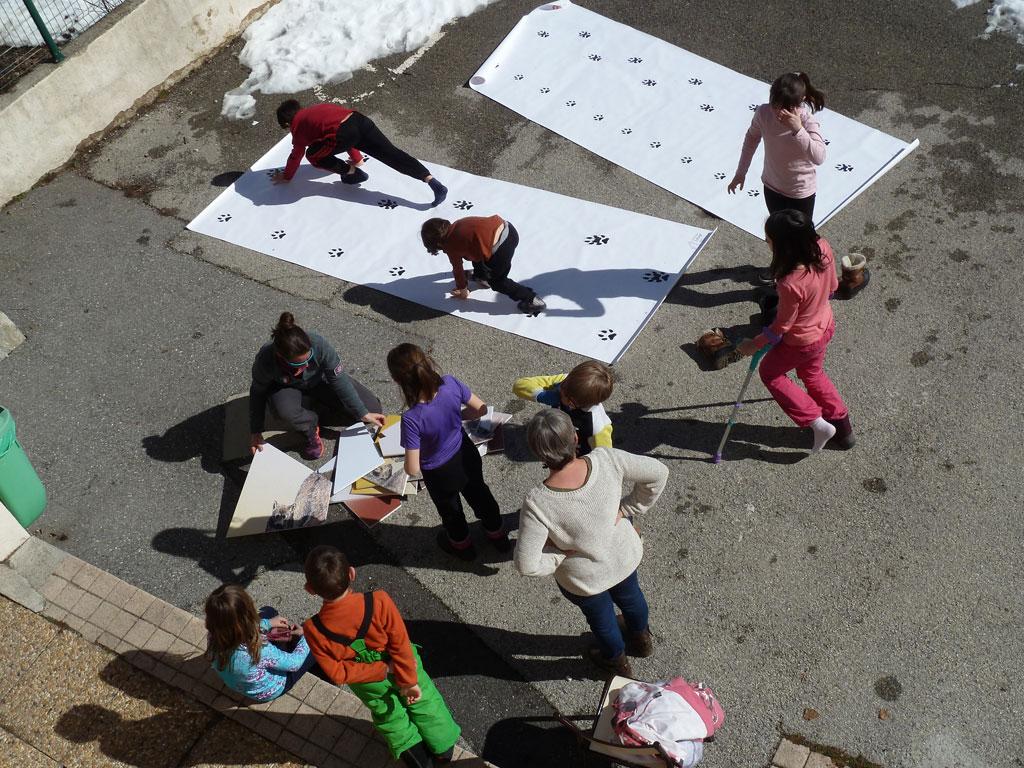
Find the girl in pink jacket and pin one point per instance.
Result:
(792, 144)
(804, 270)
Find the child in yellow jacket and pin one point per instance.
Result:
(579, 393)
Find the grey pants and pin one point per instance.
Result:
(302, 410)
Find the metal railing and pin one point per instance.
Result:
(32, 31)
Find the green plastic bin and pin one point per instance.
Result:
(21, 490)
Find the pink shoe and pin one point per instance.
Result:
(315, 447)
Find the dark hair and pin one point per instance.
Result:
(415, 373)
(231, 620)
(289, 340)
(433, 233)
(327, 572)
(588, 384)
(792, 89)
(794, 242)
(287, 111)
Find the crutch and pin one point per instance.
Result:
(754, 360)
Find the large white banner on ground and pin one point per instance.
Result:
(664, 113)
(602, 271)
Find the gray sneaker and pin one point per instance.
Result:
(532, 306)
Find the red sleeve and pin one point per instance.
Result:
(458, 272)
(341, 671)
(295, 158)
(355, 156)
(399, 647)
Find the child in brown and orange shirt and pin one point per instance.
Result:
(360, 640)
(487, 241)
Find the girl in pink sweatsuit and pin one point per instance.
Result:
(792, 144)
(804, 270)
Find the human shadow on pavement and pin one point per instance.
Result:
(390, 306)
(256, 187)
(637, 432)
(684, 294)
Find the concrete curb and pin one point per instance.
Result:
(320, 723)
(114, 70)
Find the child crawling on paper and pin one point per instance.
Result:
(487, 241)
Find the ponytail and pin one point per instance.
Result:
(290, 341)
(793, 89)
(812, 95)
(415, 373)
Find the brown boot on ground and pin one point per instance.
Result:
(640, 645)
(856, 276)
(844, 439)
(716, 349)
(618, 666)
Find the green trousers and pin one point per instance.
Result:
(403, 725)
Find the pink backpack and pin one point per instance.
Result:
(678, 715)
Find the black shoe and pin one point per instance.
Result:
(358, 176)
(531, 306)
(764, 277)
(501, 542)
(843, 440)
(466, 553)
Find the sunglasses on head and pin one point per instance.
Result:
(302, 363)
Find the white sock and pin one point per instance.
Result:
(823, 432)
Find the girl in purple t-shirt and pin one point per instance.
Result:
(436, 444)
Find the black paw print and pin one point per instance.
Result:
(627, 131)
(517, 77)
(844, 167)
(599, 118)
(649, 82)
(695, 81)
(584, 33)
(654, 276)
(753, 193)
(655, 144)
(271, 172)
(277, 234)
(570, 103)
(397, 271)
(594, 57)
(545, 90)
(707, 108)
(224, 217)
(463, 205)
(606, 335)
(542, 33)
(827, 142)
(335, 252)
(596, 240)
(752, 107)
(719, 175)
(635, 60)
(387, 203)
(685, 159)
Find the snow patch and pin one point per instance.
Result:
(299, 44)
(1004, 16)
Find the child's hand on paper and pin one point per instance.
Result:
(278, 177)
(460, 293)
(374, 418)
(256, 442)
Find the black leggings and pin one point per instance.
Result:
(360, 132)
(779, 202)
(462, 474)
(495, 270)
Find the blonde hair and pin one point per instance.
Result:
(232, 621)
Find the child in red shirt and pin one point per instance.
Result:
(325, 130)
(360, 640)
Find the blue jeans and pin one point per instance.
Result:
(600, 612)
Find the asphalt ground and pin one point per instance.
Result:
(887, 577)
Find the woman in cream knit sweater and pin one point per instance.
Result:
(577, 526)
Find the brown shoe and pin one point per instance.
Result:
(618, 666)
(716, 349)
(856, 276)
(638, 644)
(843, 439)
